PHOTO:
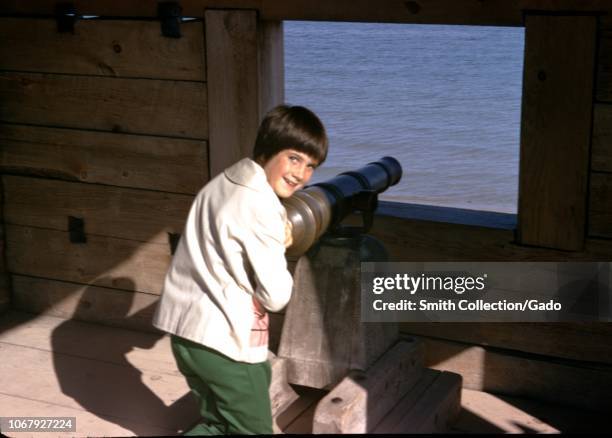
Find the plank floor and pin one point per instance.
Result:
(119, 382)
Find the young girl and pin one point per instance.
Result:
(229, 268)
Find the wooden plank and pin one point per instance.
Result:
(90, 341)
(407, 403)
(138, 106)
(293, 419)
(302, 424)
(436, 213)
(417, 240)
(246, 79)
(600, 205)
(282, 395)
(361, 400)
(231, 49)
(134, 214)
(117, 48)
(102, 261)
(87, 423)
(470, 12)
(112, 307)
(603, 86)
(5, 292)
(422, 11)
(147, 401)
(556, 126)
(563, 382)
(474, 12)
(485, 413)
(578, 341)
(271, 65)
(145, 162)
(433, 412)
(601, 159)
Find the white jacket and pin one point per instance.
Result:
(232, 249)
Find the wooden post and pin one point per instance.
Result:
(323, 337)
(245, 79)
(5, 293)
(556, 130)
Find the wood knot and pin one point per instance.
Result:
(413, 7)
(542, 75)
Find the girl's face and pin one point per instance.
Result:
(288, 171)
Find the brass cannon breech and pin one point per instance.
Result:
(322, 206)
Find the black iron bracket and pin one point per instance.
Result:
(169, 14)
(76, 230)
(173, 240)
(66, 17)
(364, 202)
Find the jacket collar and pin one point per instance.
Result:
(248, 173)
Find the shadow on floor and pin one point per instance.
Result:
(111, 387)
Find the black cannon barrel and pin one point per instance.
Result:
(315, 208)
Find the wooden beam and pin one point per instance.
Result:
(231, 49)
(271, 63)
(601, 158)
(393, 11)
(156, 163)
(245, 79)
(116, 48)
(420, 240)
(603, 91)
(102, 261)
(361, 400)
(102, 305)
(5, 292)
(561, 382)
(578, 341)
(428, 409)
(472, 12)
(600, 205)
(141, 215)
(137, 106)
(556, 130)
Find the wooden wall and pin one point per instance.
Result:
(5, 289)
(108, 125)
(111, 125)
(600, 194)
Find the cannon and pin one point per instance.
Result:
(321, 207)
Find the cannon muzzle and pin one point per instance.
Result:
(322, 206)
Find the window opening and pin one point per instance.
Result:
(444, 100)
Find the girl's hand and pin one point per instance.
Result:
(288, 234)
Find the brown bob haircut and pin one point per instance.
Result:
(290, 127)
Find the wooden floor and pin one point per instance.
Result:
(119, 382)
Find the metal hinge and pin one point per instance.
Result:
(169, 14)
(76, 230)
(66, 16)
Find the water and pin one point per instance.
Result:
(444, 100)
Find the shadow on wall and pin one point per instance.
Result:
(102, 379)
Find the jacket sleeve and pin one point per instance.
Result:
(265, 250)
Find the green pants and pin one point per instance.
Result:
(233, 396)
